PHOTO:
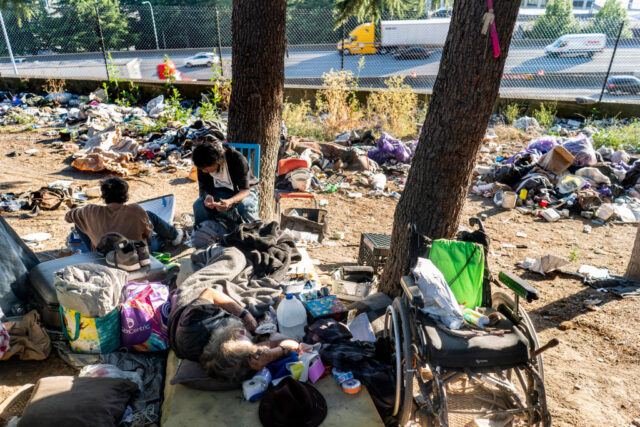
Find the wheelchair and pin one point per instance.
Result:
(503, 361)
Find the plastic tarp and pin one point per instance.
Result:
(462, 265)
(16, 259)
(439, 300)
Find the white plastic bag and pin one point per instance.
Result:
(439, 300)
(111, 371)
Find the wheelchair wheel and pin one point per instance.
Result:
(503, 302)
(398, 328)
(528, 380)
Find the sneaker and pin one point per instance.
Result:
(143, 253)
(124, 257)
(179, 238)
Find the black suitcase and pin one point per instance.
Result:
(42, 292)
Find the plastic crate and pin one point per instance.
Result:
(310, 220)
(374, 250)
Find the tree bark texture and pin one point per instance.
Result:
(633, 269)
(255, 107)
(464, 94)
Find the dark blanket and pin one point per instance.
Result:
(269, 250)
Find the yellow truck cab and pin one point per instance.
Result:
(361, 40)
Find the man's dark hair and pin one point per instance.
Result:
(114, 190)
(207, 154)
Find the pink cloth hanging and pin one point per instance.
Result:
(489, 18)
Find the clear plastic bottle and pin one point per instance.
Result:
(292, 317)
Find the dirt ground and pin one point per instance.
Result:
(591, 377)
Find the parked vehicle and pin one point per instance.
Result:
(396, 35)
(20, 60)
(442, 13)
(201, 59)
(413, 53)
(618, 85)
(577, 45)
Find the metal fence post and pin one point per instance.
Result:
(104, 51)
(6, 38)
(219, 42)
(613, 55)
(342, 50)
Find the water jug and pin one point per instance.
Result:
(292, 317)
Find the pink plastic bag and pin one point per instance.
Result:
(144, 317)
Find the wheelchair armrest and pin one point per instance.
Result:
(412, 291)
(519, 286)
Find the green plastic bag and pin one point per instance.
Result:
(462, 265)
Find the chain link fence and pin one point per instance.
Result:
(550, 56)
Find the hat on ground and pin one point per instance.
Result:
(292, 403)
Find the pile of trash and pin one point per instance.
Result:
(556, 177)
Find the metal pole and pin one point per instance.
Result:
(219, 42)
(104, 50)
(6, 38)
(153, 21)
(342, 50)
(164, 40)
(613, 55)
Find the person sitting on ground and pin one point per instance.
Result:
(132, 221)
(226, 184)
(215, 331)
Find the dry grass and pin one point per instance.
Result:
(337, 103)
(54, 85)
(395, 109)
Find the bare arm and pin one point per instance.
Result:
(229, 305)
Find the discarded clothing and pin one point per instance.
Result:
(269, 250)
(618, 285)
(27, 339)
(544, 264)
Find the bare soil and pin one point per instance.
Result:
(591, 377)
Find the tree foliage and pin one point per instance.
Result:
(21, 9)
(371, 9)
(556, 21)
(608, 20)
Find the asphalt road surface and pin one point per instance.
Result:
(312, 64)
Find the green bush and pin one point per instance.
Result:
(546, 114)
(618, 136)
(608, 21)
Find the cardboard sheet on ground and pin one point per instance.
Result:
(188, 407)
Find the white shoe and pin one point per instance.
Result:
(179, 238)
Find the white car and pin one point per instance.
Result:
(201, 59)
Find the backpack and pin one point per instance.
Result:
(47, 198)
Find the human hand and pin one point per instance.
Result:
(224, 205)
(209, 202)
(262, 358)
(290, 344)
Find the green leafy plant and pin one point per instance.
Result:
(511, 112)
(546, 114)
(558, 19)
(618, 136)
(573, 255)
(300, 121)
(174, 110)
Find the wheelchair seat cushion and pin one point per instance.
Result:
(464, 349)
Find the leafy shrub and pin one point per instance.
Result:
(395, 109)
(546, 114)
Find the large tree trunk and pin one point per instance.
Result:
(255, 108)
(464, 94)
(633, 269)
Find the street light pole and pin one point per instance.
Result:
(6, 38)
(153, 20)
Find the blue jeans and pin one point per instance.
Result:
(163, 232)
(247, 208)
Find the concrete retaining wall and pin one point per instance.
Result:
(295, 93)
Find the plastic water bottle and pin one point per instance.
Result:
(292, 317)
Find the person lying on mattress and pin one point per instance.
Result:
(130, 220)
(216, 331)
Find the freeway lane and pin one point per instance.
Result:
(312, 64)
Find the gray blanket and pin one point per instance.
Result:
(228, 271)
